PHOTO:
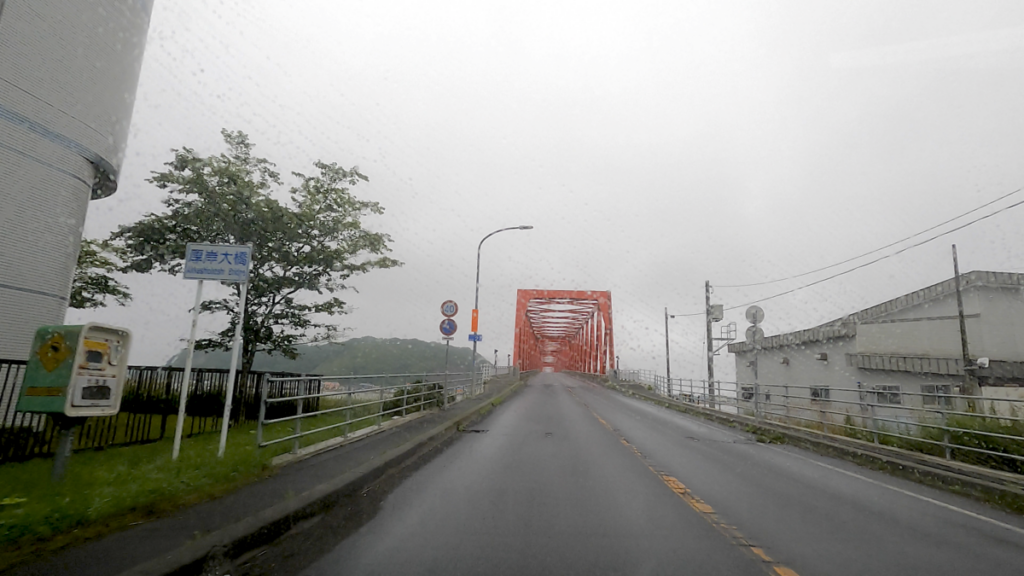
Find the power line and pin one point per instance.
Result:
(915, 235)
(880, 258)
(870, 262)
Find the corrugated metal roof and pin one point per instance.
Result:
(846, 326)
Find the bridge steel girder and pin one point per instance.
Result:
(564, 330)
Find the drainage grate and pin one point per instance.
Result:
(475, 431)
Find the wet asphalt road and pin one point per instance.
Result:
(571, 478)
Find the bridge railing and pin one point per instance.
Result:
(986, 430)
(353, 402)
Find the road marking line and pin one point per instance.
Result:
(907, 492)
(941, 504)
(703, 508)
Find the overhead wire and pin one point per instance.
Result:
(890, 245)
(870, 262)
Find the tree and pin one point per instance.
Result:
(93, 283)
(301, 250)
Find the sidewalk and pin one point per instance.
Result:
(159, 538)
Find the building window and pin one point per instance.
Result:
(747, 392)
(820, 393)
(889, 394)
(937, 394)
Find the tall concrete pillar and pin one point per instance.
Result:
(68, 75)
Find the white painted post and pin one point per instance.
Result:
(179, 424)
(231, 373)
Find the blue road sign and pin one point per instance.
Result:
(448, 327)
(224, 262)
(476, 337)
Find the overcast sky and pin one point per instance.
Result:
(653, 145)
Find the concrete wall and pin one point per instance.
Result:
(803, 371)
(68, 75)
(1000, 333)
(994, 317)
(919, 331)
(1014, 408)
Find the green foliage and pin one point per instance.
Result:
(971, 438)
(107, 490)
(414, 395)
(136, 481)
(304, 251)
(93, 283)
(974, 435)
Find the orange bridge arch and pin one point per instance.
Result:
(564, 330)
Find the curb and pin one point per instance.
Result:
(994, 487)
(289, 458)
(229, 543)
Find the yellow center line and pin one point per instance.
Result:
(703, 508)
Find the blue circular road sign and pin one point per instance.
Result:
(448, 327)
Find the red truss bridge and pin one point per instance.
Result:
(564, 330)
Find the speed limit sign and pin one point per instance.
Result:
(449, 308)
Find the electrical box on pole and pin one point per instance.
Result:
(76, 371)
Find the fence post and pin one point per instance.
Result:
(874, 423)
(347, 413)
(785, 401)
(380, 407)
(945, 434)
(757, 403)
(298, 421)
(263, 411)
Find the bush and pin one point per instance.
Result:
(415, 394)
(969, 438)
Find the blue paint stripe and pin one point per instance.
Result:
(36, 292)
(45, 163)
(57, 138)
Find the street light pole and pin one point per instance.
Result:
(668, 362)
(476, 297)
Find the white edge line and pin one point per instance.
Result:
(894, 488)
(907, 492)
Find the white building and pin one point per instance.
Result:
(68, 75)
(896, 354)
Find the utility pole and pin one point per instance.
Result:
(711, 341)
(668, 362)
(969, 388)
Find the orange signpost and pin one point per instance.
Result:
(475, 322)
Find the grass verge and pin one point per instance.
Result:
(109, 489)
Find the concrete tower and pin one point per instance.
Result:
(68, 74)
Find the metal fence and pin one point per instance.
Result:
(683, 389)
(148, 407)
(982, 430)
(500, 371)
(353, 402)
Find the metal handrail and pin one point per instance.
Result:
(449, 390)
(764, 403)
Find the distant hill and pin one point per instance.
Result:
(366, 355)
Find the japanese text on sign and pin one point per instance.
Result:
(224, 262)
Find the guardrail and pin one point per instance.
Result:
(983, 430)
(354, 402)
